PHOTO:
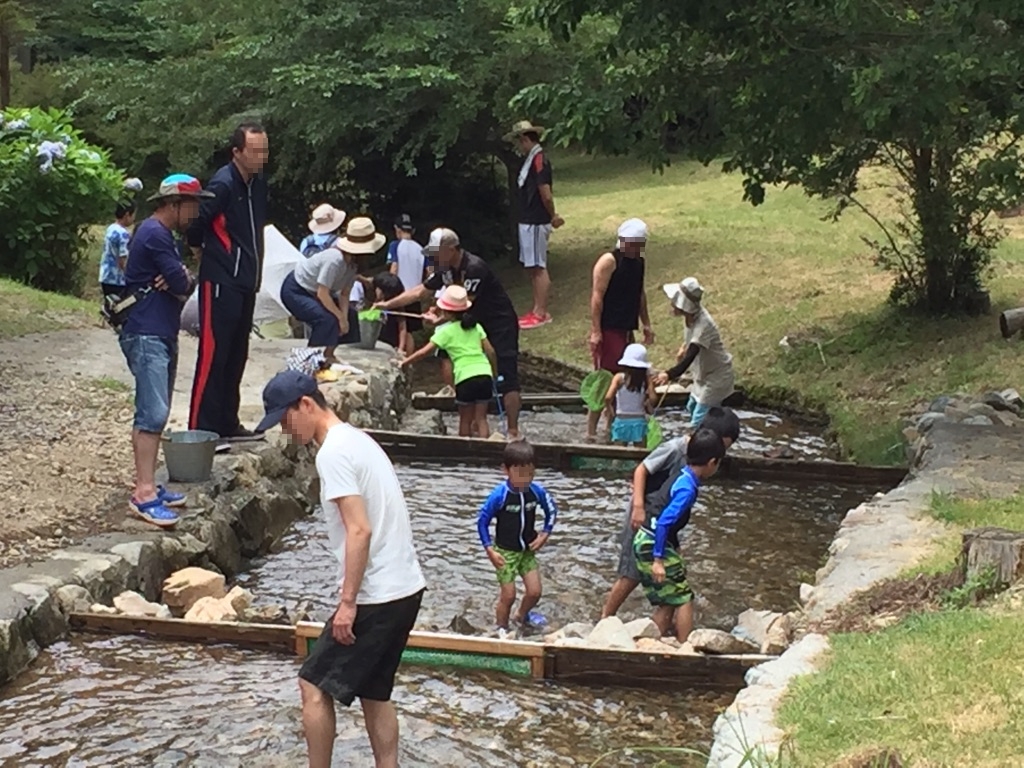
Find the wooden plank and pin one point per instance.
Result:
(441, 641)
(401, 445)
(264, 636)
(571, 401)
(637, 669)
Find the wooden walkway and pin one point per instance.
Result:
(569, 401)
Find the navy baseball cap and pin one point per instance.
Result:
(404, 222)
(281, 393)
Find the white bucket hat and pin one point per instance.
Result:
(635, 356)
(361, 237)
(633, 230)
(326, 219)
(685, 295)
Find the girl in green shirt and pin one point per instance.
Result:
(472, 356)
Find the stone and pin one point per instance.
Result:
(71, 598)
(147, 562)
(687, 649)
(650, 645)
(460, 625)
(806, 593)
(576, 642)
(910, 434)
(939, 404)
(978, 421)
(643, 628)
(46, 621)
(1007, 418)
(266, 614)
(210, 609)
(610, 633)
(929, 420)
(1012, 396)
(981, 409)
(104, 609)
(134, 604)
(719, 642)
(191, 547)
(104, 577)
(778, 636)
(17, 648)
(579, 629)
(303, 611)
(768, 630)
(182, 589)
(239, 598)
(997, 402)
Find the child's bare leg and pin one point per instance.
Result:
(593, 417)
(531, 595)
(483, 429)
(465, 420)
(684, 621)
(663, 618)
(506, 597)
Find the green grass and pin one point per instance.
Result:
(773, 271)
(25, 310)
(945, 689)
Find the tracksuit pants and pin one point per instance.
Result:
(225, 322)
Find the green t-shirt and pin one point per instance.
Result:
(465, 348)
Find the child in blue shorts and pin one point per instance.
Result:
(513, 506)
(661, 567)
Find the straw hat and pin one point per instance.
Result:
(635, 356)
(361, 237)
(326, 219)
(454, 299)
(685, 295)
(523, 126)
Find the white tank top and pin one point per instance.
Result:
(630, 403)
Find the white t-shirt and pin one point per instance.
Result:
(351, 463)
(409, 256)
(712, 369)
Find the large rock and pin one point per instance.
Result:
(611, 633)
(134, 604)
(71, 598)
(719, 642)
(207, 609)
(239, 599)
(650, 645)
(643, 628)
(769, 630)
(147, 562)
(46, 622)
(107, 610)
(577, 629)
(266, 614)
(184, 588)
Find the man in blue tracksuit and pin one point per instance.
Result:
(513, 506)
(227, 237)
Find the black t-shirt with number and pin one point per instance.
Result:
(531, 205)
(491, 305)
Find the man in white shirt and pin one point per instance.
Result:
(381, 583)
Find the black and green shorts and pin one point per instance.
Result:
(675, 589)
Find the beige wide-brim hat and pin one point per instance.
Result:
(326, 219)
(524, 126)
(361, 236)
(685, 295)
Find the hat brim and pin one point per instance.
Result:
(204, 195)
(326, 229)
(371, 246)
(538, 129)
(627, 363)
(451, 307)
(272, 419)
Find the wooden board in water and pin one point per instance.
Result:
(271, 637)
(402, 445)
(559, 400)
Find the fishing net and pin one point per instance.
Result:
(593, 389)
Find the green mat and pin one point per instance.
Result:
(510, 665)
(600, 464)
(593, 389)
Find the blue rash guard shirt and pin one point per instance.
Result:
(515, 513)
(666, 526)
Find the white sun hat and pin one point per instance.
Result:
(361, 237)
(685, 295)
(326, 219)
(635, 356)
(633, 230)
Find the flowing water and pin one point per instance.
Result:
(748, 545)
(132, 703)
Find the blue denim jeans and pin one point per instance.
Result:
(153, 362)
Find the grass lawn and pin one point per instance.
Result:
(769, 272)
(963, 514)
(944, 689)
(25, 310)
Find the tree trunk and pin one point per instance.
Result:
(512, 163)
(1011, 321)
(995, 548)
(940, 245)
(5, 67)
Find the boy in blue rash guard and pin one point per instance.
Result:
(662, 569)
(512, 551)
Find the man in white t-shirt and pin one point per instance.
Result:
(406, 260)
(381, 583)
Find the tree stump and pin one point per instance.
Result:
(1011, 321)
(996, 548)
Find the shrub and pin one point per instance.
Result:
(53, 185)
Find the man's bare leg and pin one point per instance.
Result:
(318, 724)
(621, 589)
(382, 728)
(541, 282)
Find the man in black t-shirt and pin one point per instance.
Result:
(491, 306)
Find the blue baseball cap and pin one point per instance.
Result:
(281, 393)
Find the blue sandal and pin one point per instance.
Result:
(154, 512)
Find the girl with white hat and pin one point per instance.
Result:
(702, 352)
(630, 396)
(472, 356)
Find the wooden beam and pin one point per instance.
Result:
(560, 400)
(402, 445)
(442, 641)
(265, 636)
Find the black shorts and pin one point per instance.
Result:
(478, 389)
(508, 370)
(367, 667)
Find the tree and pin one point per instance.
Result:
(809, 93)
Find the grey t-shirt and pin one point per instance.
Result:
(328, 268)
(663, 466)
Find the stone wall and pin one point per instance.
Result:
(252, 498)
(957, 444)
